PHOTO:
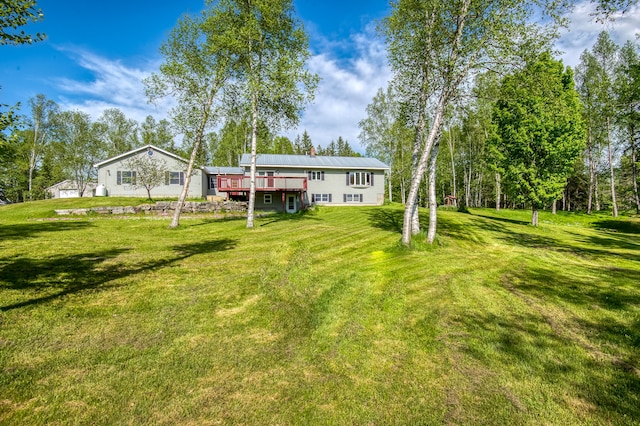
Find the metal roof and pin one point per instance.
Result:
(215, 170)
(315, 162)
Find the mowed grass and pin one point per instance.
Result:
(318, 318)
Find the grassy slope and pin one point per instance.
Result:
(318, 318)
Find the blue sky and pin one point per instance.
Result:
(97, 53)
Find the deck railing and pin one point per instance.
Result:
(263, 183)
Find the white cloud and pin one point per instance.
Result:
(113, 85)
(347, 86)
(584, 29)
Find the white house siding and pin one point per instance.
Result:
(334, 183)
(108, 176)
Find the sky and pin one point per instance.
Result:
(97, 53)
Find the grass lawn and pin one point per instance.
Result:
(318, 318)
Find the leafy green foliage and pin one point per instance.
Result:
(539, 130)
(15, 14)
(150, 171)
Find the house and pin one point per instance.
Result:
(70, 189)
(290, 183)
(286, 183)
(119, 177)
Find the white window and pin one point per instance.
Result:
(126, 178)
(268, 198)
(320, 198)
(174, 178)
(213, 182)
(352, 198)
(315, 175)
(359, 179)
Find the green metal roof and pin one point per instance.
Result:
(315, 162)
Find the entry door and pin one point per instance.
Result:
(268, 182)
(292, 205)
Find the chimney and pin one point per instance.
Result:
(312, 152)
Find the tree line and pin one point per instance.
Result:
(51, 145)
(535, 134)
(478, 108)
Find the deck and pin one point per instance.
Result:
(263, 183)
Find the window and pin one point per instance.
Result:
(174, 178)
(126, 178)
(315, 175)
(213, 182)
(268, 199)
(353, 198)
(320, 198)
(359, 179)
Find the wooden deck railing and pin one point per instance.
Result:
(263, 183)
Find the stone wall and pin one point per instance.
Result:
(165, 208)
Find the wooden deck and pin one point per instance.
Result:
(263, 183)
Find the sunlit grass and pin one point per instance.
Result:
(318, 318)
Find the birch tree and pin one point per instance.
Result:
(121, 133)
(78, 146)
(269, 50)
(384, 136)
(196, 67)
(605, 53)
(433, 48)
(42, 112)
(627, 89)
(587, 79)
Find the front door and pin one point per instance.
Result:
(291, 205)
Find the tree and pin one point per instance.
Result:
(269, 50)
(587, 80)
(78, 146)
(15, 14)
(627, 89)
(121, 133)
(434, 46)
(605, 54)
(230, 143)
(157, 133)
(150, 172)
(196, 67)
(540, 131)
(42, 112)
(305, 143)
(386, 137)
(282, 145)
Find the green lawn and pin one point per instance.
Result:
(318, 318)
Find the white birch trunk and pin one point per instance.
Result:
(417, 174)
(498, 191)
(611, 171)
(433, 205)
(252, 174)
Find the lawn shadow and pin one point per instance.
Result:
(392, 219)
(48, 279)
(28, 230)
(386, 219)
(554, 296)
(625, 226)
(302, 215)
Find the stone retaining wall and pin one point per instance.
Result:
(165, 207)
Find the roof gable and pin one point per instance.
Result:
(140, 149)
